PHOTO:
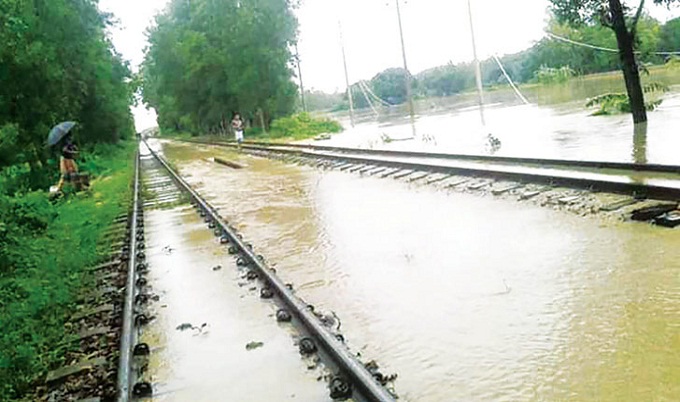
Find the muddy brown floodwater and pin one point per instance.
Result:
(466, 297)
(205, 317)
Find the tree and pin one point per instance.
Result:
(208, 58)
(56, 63)
(617, 16)
(669, 40)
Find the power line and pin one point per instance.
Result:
(604, 49)
(374, 96)
(512, 84)
(363, 90)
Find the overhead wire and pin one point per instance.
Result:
(374, 96)
(363, 90)
(604, 49)
(572, 42)
(512, 84)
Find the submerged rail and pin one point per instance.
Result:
(639, 167)
(362, 380)
(128, 336)
(539, 171)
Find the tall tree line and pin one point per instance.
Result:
(210, 58)
(56, 63)
(450, 79)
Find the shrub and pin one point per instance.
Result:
(614, 103)
(303, 125)
(549, 75)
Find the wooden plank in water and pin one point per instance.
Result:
(230, 164)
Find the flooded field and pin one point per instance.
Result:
(555, 125)
(465, 297)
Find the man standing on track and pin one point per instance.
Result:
(237, 126)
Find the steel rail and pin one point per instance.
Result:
(358, 374)
(502, 172)
(639, 167)
(127, 337)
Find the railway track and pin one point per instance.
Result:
(640, 192)
(641, 181)
(478, 158)
(348, 377)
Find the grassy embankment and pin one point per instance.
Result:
(298, 127)
(44, 250)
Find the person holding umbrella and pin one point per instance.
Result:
(67, 162)
(69, 151)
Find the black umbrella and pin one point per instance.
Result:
(59, 131)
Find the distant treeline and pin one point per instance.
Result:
(548, 60)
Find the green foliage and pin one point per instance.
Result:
(615, 103)
(669, 36)
(673, 62)
(56, 63)
(579, 12)
(319, 100)
(43, 250)
(303, 125)
(390, 85)
(209, 58)
(549, 75)
(446, 80)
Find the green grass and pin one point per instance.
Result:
(43, 274)
(298, 127)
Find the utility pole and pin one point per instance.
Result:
(302, 86)
(349, 89)
(478, 69)
(409, 90)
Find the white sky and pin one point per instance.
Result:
(436, 31)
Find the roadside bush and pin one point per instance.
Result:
(303, 125)
(27, 215)
(548, 75)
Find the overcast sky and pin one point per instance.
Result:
(436, 32)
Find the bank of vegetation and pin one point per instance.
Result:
(550, 61)
(56, 64)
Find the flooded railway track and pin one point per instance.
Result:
(643, 192)
(347, 377)
(466, 295)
